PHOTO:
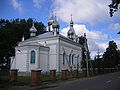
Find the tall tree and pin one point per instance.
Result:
(11, 32)
(98, 60)
(112, 55)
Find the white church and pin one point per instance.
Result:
(50, 50)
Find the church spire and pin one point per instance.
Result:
(71, 32)
(71, 22)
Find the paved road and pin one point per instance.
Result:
(103, 82)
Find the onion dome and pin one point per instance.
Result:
(33, 29)
(71, 31)
(55, 24)
(51, 20)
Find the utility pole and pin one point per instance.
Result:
(87, 67)
(86, 54)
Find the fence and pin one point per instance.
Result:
(37, 77)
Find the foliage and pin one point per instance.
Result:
(97, 63)
(11, 32)
(110, 58)
(112, 55)
(82, 40)
(114, 6)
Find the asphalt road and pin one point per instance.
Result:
(103, 82)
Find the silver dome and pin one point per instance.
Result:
(33, 29)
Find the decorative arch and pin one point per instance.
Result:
(32, 57)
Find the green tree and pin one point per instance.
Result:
(114, 6)
(112, 55)
(98, 60)
(11, 32)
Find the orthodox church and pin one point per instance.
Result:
(50, 50)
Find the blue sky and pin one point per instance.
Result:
(89, 16)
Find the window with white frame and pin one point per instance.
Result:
(32, 57)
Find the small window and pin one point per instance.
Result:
(32, 58)
(64, 58)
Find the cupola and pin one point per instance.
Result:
(51, 20)
(53, 25)
(71, 32)
(33, 31)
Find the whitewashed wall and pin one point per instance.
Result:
(21, 59)
(33, 66)
(69, 48)
(44, 59)
(49, 56)
(53, 53)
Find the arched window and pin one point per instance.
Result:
(32, 58)
(72, 59)
(64, 58)
(77, 61)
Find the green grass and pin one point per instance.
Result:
(23, 80)
(58, 77)
(45, 78)
(69, 75)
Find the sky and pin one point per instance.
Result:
(89, 16)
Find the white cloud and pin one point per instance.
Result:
(95, 47)
(81, 29)
(118, 44)
(114, 26)
(17, 5)
(92, 37)
(37, 3)
(87, 11)
(103, 46)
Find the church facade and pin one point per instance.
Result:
(49, 51)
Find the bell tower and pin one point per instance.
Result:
(71, 32)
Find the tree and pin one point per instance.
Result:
(11, 32)
(114, 6)
(112, 55)
(98, 60)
